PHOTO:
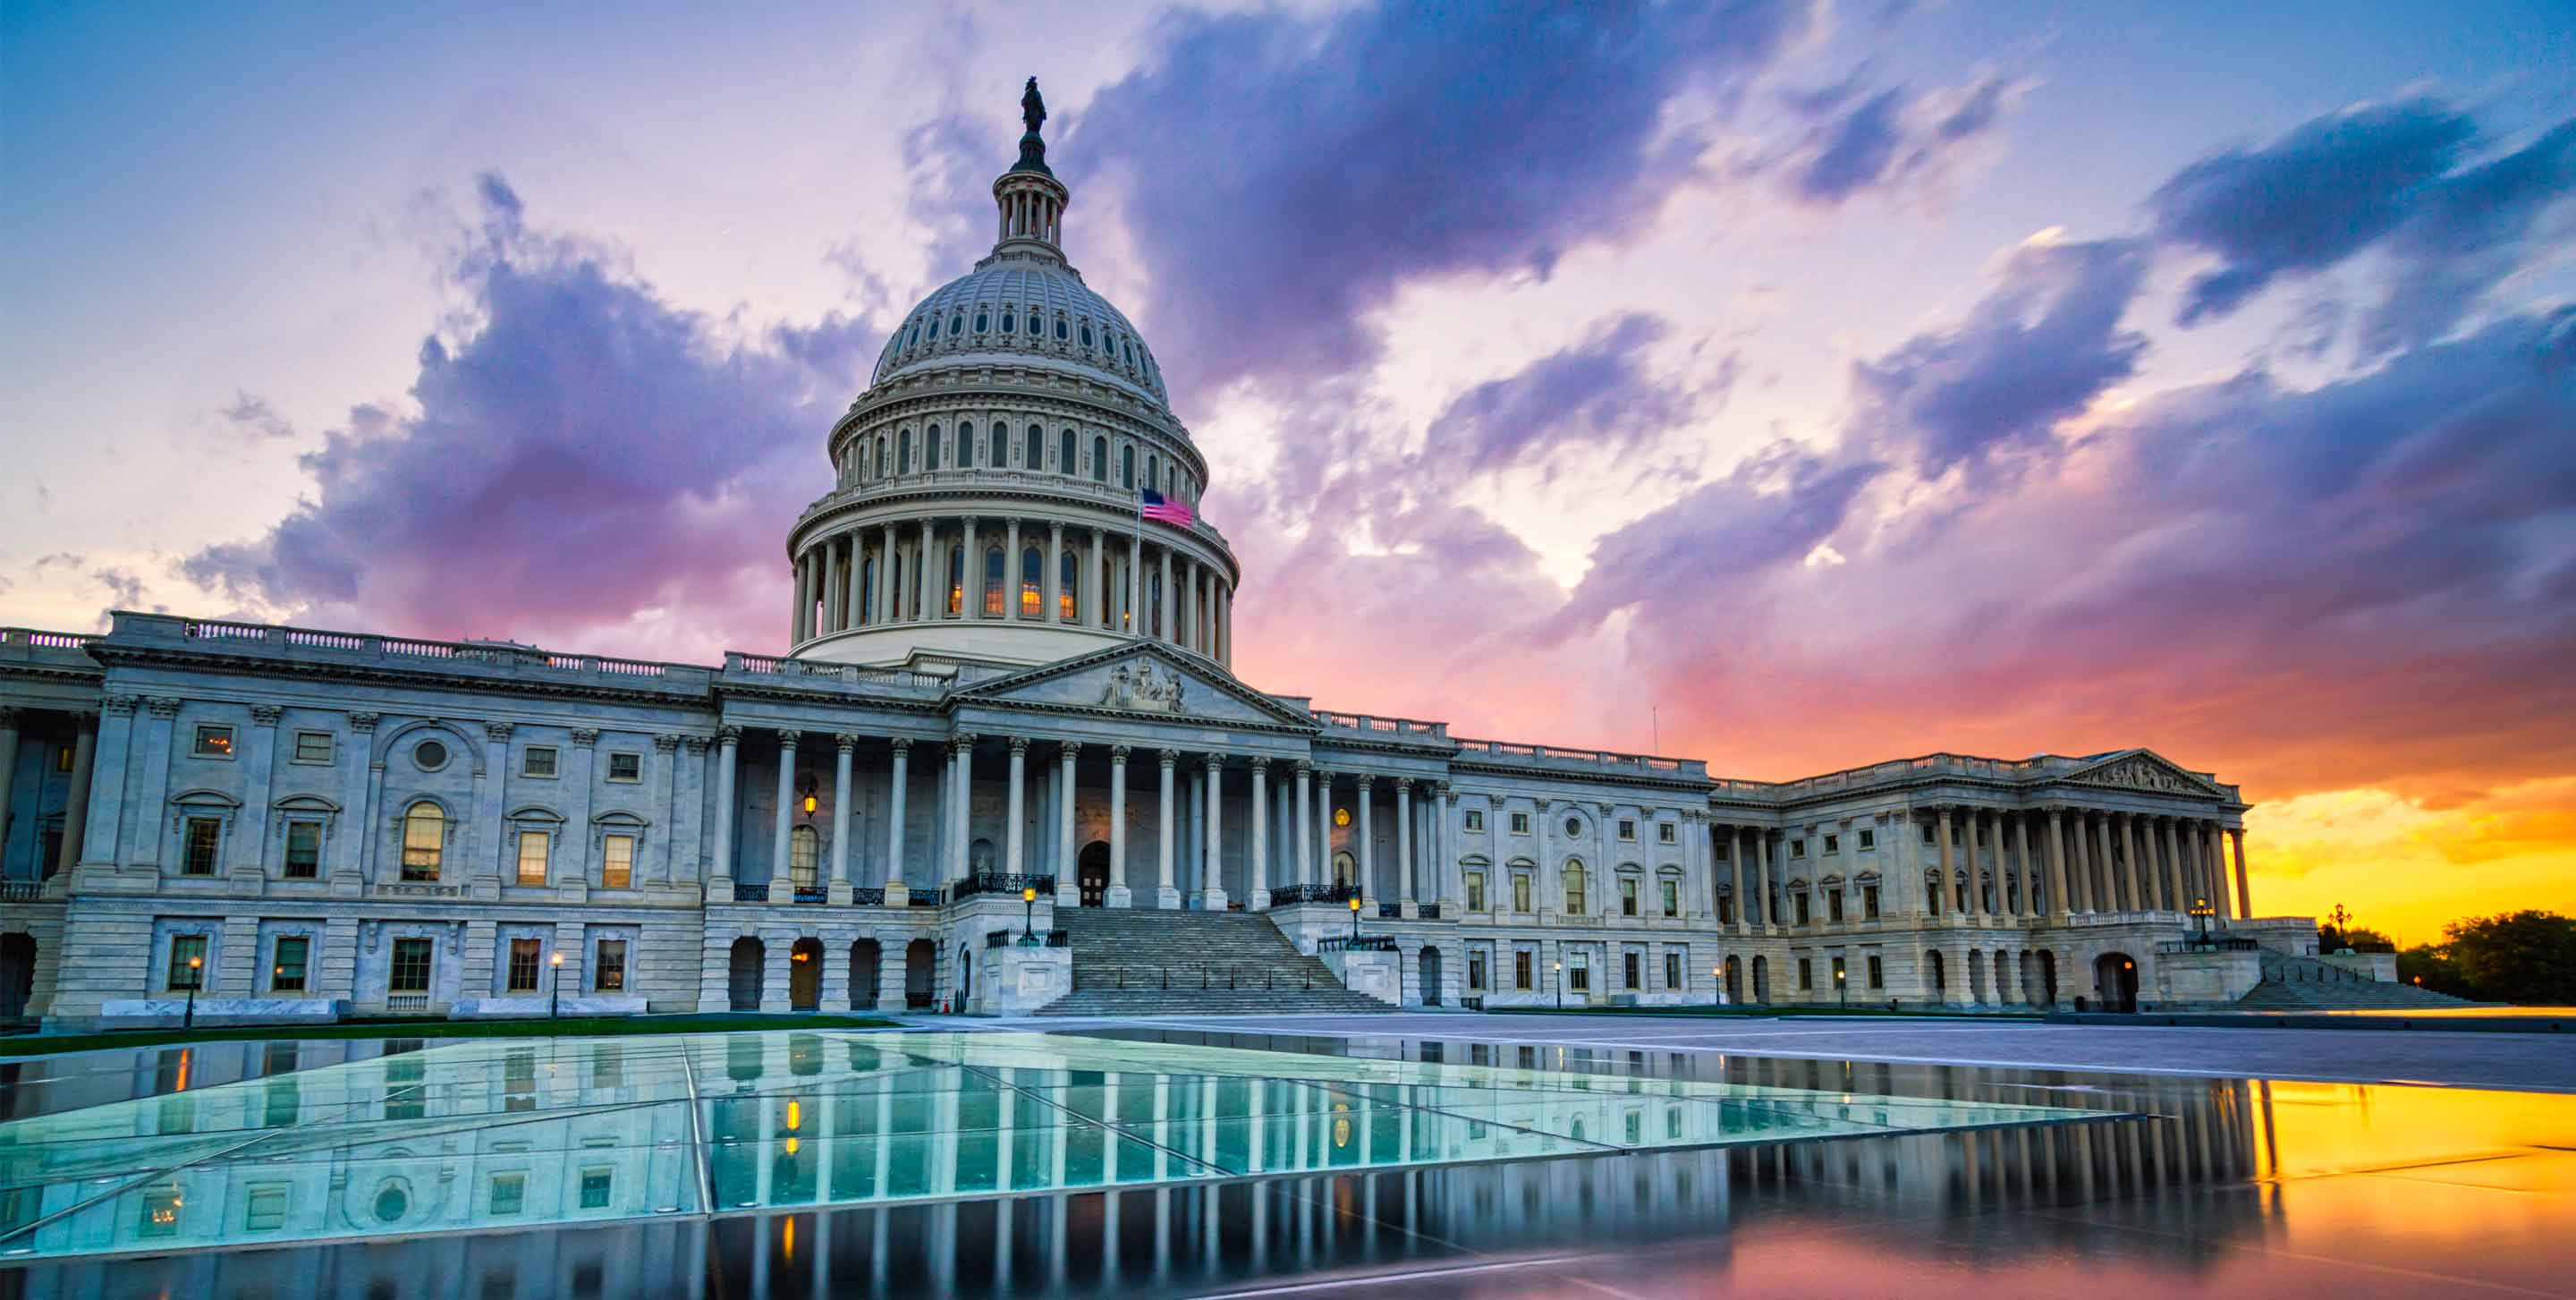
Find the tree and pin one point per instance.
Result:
(2527, 956)
(2359, 938)
(2430, 965)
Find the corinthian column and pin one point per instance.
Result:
(1305, 824)
(786, 806)
(2244, 899)
(1068, 882)
(1119, 894)
(894, 816)
(1406, 898)
(1212, 875)
(1167, 894)
(1257, 883)
(1013, 859)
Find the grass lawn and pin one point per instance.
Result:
(1772, 1013)
(570, 1027)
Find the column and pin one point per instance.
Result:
(2137, 875)
(923, 575)
(2176, 898)
(961, 809)
(9, 775)
(1735, 850)
(1212, 879)
(728, 747)
(2213, 868)
(842, 744)
(830, 595)
(1762, 875)
(1095, 584)
(1052, 610)
(1164, 608)
(786, 804)
(76, 809)
(796, 621)
(1135, 612)
(2021, 855)
(1012, 578)
(970, 575)
(894, 815)
(1405, 895)
(1258, 881)
(1068, 875)
(1305, 823)
(1367, 855)
(1453, 891)
(1167, 893)
(1323, 827)
(2059, 900)
(1119, 894)
(1975, 822)
(1948, 895)
(2244, 899)
(878, 609)
(1011, 834)
(2115, 889)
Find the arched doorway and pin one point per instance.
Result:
(1762, 980)
(743, 978)
(2116, 974)
(2047, 977)
(982, 858)
(1936, 976)
(866, 956)
(920, 973)
(1735, 979)
(1430, 962)
(1976, 973)
(805, 975)
(1091, 871)
(17, 974)
(1346, 869)
(965, 977)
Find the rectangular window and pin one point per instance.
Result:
(313, 746)
(214, 741)
(187, 962)
(509, 1193)
(1877, 973)
(1627, 895)
(1927, 832)
(617, 862)
(1579, 972)
(538, 761)
(1806, 975)
(1627, 829)
(1476, 970)
(1664, 832)
(1797, 848)
(1521, 962)
(286, 971)
(1804, 917)
(197, 855)
(1520, 823)
(1629, 970)
(411, 966)
(1636, 1127)
(594, 1187)
(1574, 892)
(533, 847)
(264, 1209)
(303, 850)
(1673, 971)
(1475, 891)
(1726, 909)
(1869, 901)
(626, 767)
(1834, 905)
(1869, 839)
(160, 1211)
(1475, 821)
(1672, 898)
(1833, 844)
(608, 968)
(525, 957)
(1520, 891)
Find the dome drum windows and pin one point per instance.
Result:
(965, 446)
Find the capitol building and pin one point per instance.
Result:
(1003, 765)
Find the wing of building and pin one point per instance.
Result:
(1004, 765)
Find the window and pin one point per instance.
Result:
(1475, 821)
(1475, 970)
(1628, 829)
(1806, 975)
(1578, 971)
(1726, 909)
(1521, 970)
(214, 741)
(903, 449)
(1100, 460)
(1841, 973)
(1834, 906)
(804, 849)
(1034, 445)
(1064, 461)
(1627, 895)
(160, 1209)
(429, 755)
(966, 446)
(1806, 908)
(313, 746)
(62, 760)
(1475, 891)
(608, 969)
(1630, 972)
(1797, 848)
(626, 767)
(1573, 827)
(1032, 583)
(1869, 901)
(594, 1187)
(197, 854)
(265, 1208)
(1833, 844)
(617, 862)
(956, 581)
(1059, 329)
(411, 967)
(1932, 891)
(1068, 587)
(993, 583)
(526, 956)
(535, 847)
(930, 448)
(1665, 832)
(1673, 970)
(982, 322)
(1672, 898)
(187, 962)
(1869, 839)
(1009, 321)
(1520, 823)
(539, 761)
(286, 970)
(1127, 467)
(509, 1193)
(1520, 891)
(1927, 832)
(1877, 972)
(1574, 890)
(303, 850)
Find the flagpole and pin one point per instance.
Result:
(1136, 575)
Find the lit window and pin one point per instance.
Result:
(1032, 573)
(303, 850)
(160, 1211)
(1574, 891)
(993, 583)
(214, 742)
(1068, 582)
(62, 758)
(204, 836)
(424, 841)
(626, 767)
(804, 853)
(535, 848)
(313, 746)
(617, 862)
(1475, 891)
(410, 973)
(286, 969)
(608, 969)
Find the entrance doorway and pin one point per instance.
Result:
(2116, 974)
(1091, 871)
(1346, 869)
(920, 973)
(1430, 976)
(865, 956)
(1762, 980)
(742, 978)
(17, 974)
(805, 975)
(1734, 979)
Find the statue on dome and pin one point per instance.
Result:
(1033, 145)
(1033, 107)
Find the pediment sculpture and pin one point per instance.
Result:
(2141, 773)
(1143, 689)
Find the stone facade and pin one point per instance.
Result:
(396, 826)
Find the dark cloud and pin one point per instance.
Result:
(1594, 395)
(582, 452)
(1285, 174)
(1894, 136)
(2385, 176)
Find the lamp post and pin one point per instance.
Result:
(1028, 914)
(196, 977)
(1717, 983)
(2201, 911)
(554, 1004)
(1560, 985)
(1355, 920)
(1842, 987)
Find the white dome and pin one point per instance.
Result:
(1019, 309)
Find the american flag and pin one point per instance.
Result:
(1155, 506)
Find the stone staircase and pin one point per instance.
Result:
(1143, 962)
(2307, 984)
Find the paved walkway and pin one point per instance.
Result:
(2527, 1062)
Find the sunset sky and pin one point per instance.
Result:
(1788, 385)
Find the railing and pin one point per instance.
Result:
(745, 892)
(1390, 911)
(1409, 728)
(38, 638)
(2210, 943)
(1357, 943)
(21, 891)
(851, 674)
(1026, 939)
(928, 898)
(508, 653)
(940, 482)
(1649, 763)
(1292, 895)
(1002, 882)
(867, 898)
(407, 1002)
(814, 894)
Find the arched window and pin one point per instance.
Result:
(930, 448)
(1574, 887)
(965, 446)
(1086, 336)
(913, 336)
(993, 582)
(1099, 460)
(1154, 605)
(1153, 470)
(903, 452)
(881, 457)
(1127, 467)
(957, 323)
(424, 840)
(1007, 318)
(804, 852)
(1036, 448)
(868, 591)
(981, 321)
(894, 570)
(1932, 890)
(1059, 329)
(1069, 579)
(934, 327)
(1032, 583)
(957, 582)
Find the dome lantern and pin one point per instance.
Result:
(1031, 199)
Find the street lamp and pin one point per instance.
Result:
(1560, 986)
(554, 1006)
(1842, 987)
(2201, 911)
(196, 977)
(1355, 920)
(1028, 914)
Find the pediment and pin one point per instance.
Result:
(2141, 769)
(1145, 680)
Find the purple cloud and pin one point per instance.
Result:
(1895, 136)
